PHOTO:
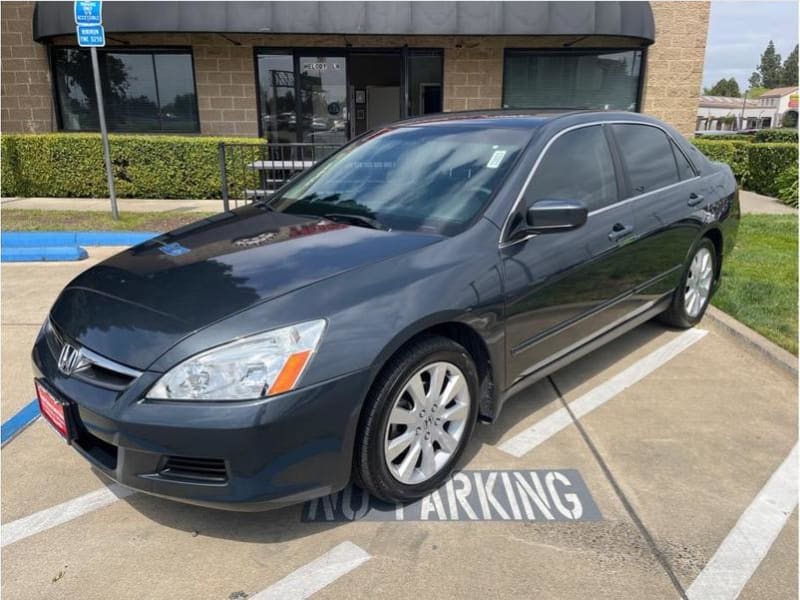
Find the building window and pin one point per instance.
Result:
(144, 91)
(572, 79)
(277, 97)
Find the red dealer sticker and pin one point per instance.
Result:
(52, 409)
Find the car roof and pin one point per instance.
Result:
(521, 118)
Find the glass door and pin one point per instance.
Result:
(324, 113)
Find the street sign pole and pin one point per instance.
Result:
(91, 34)
(104, 134)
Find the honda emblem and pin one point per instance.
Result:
(70, 359)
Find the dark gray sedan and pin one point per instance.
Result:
(361, 321)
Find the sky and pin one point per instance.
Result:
(740, 31)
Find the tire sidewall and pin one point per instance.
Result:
(385, 402)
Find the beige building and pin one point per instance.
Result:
(324, 72)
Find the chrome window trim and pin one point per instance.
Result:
(504, 243)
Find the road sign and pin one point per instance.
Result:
(91, 36)
(88, 13)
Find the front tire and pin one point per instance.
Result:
(417, 420)
(691, 299)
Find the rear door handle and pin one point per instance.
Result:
(619, 231)
(695, 199)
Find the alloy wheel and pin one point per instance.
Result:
(698, 282)
(428, 418)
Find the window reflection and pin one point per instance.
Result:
(143, 91)
(648, 156)
(576, 167)
(573, 79)
(323, 99)
(276, 85)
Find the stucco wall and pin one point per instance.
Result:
(674, 71)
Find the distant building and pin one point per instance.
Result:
(722, 113)
(774, 108)
(783, 102)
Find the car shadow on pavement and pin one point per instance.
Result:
(285, 524)
(541, 395)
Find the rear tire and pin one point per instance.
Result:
(417, 420)
(691, 298)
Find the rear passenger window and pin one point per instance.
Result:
(648, 157)
(577, 166)
(684, 167)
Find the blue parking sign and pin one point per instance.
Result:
(88, 12)
(91, 36)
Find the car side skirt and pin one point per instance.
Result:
(656, 308)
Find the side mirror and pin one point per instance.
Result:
(552, 216)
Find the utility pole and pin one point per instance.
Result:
(744, 103)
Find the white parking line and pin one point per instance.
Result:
(61, 513)
(536, 434)
(748, 542)
(311, 578)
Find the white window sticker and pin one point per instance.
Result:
(496, 159)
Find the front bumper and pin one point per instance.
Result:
(232, 455)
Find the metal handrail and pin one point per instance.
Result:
(249, 172)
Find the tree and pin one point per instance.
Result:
(724, 87)
(756, 92)
(789, 69)
(769, 73)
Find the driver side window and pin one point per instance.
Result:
(577, 166)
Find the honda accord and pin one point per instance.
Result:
(360, 321)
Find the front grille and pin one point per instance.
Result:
(199, 470)
(98, 371)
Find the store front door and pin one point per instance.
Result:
(328, 97)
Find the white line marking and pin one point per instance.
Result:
(527, 440)
(61, 513)
(748, 542)
(311, 578)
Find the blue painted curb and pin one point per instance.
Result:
(33, 239)
(43, 253)
(26, 416)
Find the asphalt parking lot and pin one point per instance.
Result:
(666, 461)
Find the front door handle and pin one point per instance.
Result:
(619, 231)
(695, 199)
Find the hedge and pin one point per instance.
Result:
(732, 153)
(757, 167)
(787, 186)
(145, 166)
(776, 135)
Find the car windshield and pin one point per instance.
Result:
(428, 179)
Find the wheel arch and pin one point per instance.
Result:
(472, 341)
(715, 235)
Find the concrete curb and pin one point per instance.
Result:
(39, 239)
(42, 253)
(784, 359)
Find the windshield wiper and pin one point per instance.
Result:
(353, 219)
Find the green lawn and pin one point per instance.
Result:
(759, 278)
(75, 220)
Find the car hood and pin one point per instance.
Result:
(134, 306)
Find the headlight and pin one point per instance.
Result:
(250, 368)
